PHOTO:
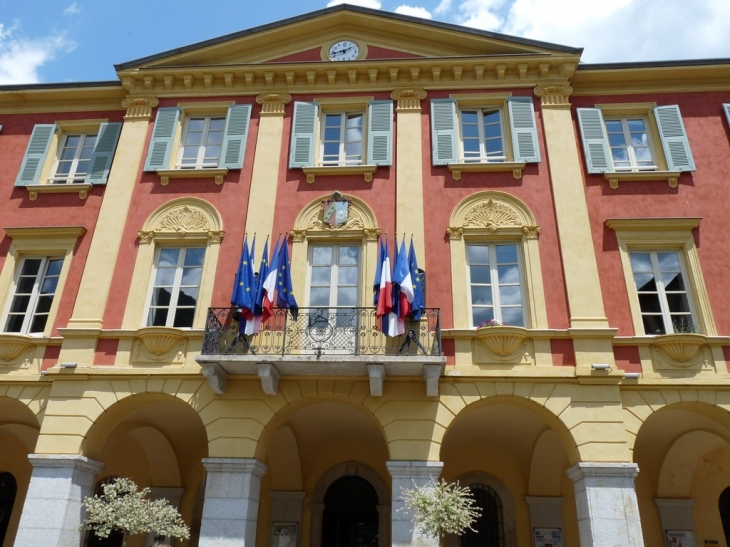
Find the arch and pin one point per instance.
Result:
(351, 469)
(675, 477)
(493, 216)
(183, 218)
(309, 226)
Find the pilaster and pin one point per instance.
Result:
(606, 504)
(96, 281)
(578, 253)
(405, 475)
(409, 166)
(266, 163)
(52, 511)
(231, 506)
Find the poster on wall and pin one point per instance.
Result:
(681, 538)
(548, 537)
(284, 534)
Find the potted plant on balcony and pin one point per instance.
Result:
(441, 508)
(122, 507)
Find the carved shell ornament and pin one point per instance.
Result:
(184, 220)
(492, 215)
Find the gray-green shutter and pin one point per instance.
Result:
(35, 154)
(674, 138)
(234, 140)
(595, 141)
(443, 131)
(380, 133)
(726, 108)
(302, 136)
(158, 154)
(524, 129)
(101, 159)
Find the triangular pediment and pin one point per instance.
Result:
(382, 35)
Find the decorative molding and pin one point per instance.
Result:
(338, 170)
(184, 218)
(139, 108)
(487, 167)
(16, 349)
(531, 232)
(81, 189)
(360, 223)
(501, 344)
(218, 174)
(272, 104)
(160, 345)
(409, 98)
(680, 350)
(269, 378)
(298, 235)
(492, 216)
(372, 234)
(492, 212)
(554, 95)
(216, 377)
(455, 232)
(615, 177)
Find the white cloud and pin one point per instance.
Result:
(73, 9)
(20, 58)
(374, 4)
(609, 30)
(414, 11)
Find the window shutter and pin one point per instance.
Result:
(101, 159)
(302, 136)
(726, 108)
(674, 138)
(380, 133)
(35, 154)
(158, 154)
(595, 141)
(234, 140)
(443, 131)
(524, 129)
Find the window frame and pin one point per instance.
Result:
(481, 137)
(173, 306)
(633, 166)
(342, 141)
(664, 234)
(494, 278)
(334, 269)
(56, 241)
(200, 161)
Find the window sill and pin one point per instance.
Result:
(81, 188)
(218, 174)
(641, 176)
(333, 170)
(494, 167)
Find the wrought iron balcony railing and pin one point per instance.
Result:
(321, 331)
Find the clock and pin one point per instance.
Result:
(344, 50)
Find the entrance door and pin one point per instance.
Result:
(351, 514)
(489, 527)
(8, 488)
(334, 289)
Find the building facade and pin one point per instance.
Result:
(571, 365)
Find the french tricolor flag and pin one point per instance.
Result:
(269, 285)
(402, 279)
(384, 309)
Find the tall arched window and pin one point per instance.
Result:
(489, 527)
(351, 514)
(8, 489)
(724, 507)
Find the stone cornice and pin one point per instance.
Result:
(386, 74)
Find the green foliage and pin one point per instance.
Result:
(441, 508)
(124, 507)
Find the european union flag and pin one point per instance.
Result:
(284, 291)
(418, 305)
(244, 291)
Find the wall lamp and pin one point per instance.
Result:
(69, 365)
(601, 366)
(632, 375)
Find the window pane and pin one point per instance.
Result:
(348, 255)
(653, 324)
(512, 317)
(677, 302)
(668, 262)
(187, 296)
(510, 296)
(194, 256)
(165, 277)
(191, 276)
(184, 318)
(319, 296)
(168, 257)
(481, 296)
(683, 323)
(347, 296)
(31, 266)
(508, 274)
(347, 276)
(193, 139)
(641, 262)
(645, 282)
(20, 304)
(196, 124)
(39, 323)
(54, 267)
(673, 282)
(480, 315)
(649, 303)
(321, 275)
(49, 285)
(25, 285)
(161, 297)
(15, 323)
(506, 254)
(480, 274)
(44, 304)
(157, 317)
(478, 254)
(322, 255)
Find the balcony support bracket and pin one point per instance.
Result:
(269, 378)
(376, 373)
(216, 377)
(432, 373)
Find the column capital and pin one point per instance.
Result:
(409, 98)
(235, 465)
(139, 108)
(554, 95)
(65, 460)
(272, 104)
(583, 470)
(414, 468)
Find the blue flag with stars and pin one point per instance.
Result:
(418, 304)
(284, 291)
(244, 291)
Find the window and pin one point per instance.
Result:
(495, 283)
(666, 306)
(175, 286)
(201, 143)
(341, 136)
(620, 138)
(69, 152)
(334, 275)
(204, 136)
(33, 292)
(483, 132)
(661, 266)
(482, 135)
(74, 158)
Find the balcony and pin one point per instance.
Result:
(324, 342)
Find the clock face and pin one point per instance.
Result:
(344, 50)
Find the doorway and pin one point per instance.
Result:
(350, 516)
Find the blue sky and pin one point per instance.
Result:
(44, 41)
